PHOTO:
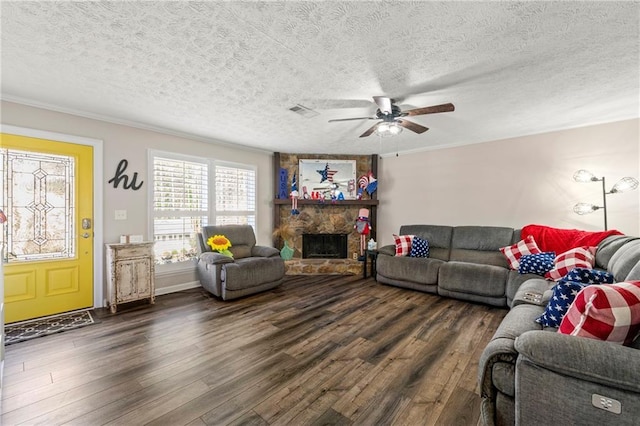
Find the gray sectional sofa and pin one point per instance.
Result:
(528, 375)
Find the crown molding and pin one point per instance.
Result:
(129, 123)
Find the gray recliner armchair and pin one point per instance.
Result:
(252, 269)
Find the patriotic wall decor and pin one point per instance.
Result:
(329, 178)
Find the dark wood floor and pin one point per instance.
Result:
(318, 350)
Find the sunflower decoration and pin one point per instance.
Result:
(221, 244)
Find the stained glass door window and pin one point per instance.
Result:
(38, 197)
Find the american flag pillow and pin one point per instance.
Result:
(609, 312)
(403, 244)
(579, 257)
(515, 252)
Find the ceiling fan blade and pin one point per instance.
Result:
(429, 110)
(414, 127)
(370, 131)
(355, 118)
(383, 103)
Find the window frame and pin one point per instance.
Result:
(212, 213)
(214, 209)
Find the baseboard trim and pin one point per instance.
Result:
(177, 287)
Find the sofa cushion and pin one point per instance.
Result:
(480, 244)
(634, 274)
(485, 238)
(563, 295)
(471, 278)
(403, 244)
(539, 263)
(242, 238)
(240, 251)
(439, 238)
(624, 260)
(421, 270)
(514, 252)
(608, 247)
(252, 272)
(609, 312)
(419, 247)
(579, 257)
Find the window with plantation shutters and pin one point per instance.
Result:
(235, 195)
(189, 193)
(180, 207)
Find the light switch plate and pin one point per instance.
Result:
(605, 403)
(121, 215)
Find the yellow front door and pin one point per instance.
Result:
(48, 236)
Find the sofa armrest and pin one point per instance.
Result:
(264, 251)
(501, 348)
(498, 350)
(592, 360)
(389, 250)
(213, 258)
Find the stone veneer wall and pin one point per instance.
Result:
(323, 218)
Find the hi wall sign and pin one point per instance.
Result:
(122, 177)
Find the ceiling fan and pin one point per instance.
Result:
(392, 116)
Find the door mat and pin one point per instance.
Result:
(27, 330)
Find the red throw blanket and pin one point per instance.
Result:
(561, 240)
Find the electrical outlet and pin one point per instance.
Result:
(120, 215)
(355, 255)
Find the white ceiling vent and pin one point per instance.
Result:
(304, 111)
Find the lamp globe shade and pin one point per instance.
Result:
(585, 208)
(625, 184)
(584, 176)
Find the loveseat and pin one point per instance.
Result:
(528, 374)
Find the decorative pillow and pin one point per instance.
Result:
(403, 244)
(539, 263)
(609, 312)
(515, 252)
(419, 248)
(589, 276)
(563, 294)
(579, 257)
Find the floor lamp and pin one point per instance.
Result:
(624, 184)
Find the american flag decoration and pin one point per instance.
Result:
(326, 173)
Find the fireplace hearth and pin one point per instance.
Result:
(324, 246)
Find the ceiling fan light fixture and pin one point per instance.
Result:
(388, 129)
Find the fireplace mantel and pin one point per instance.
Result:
(303, 202)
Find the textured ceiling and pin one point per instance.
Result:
(230, 71)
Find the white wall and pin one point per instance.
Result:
(514, 182)
(131, 143)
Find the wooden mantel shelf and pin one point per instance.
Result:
(303, 202)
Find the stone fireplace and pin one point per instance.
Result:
(323, 218)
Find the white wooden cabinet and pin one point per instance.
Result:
(130, 273)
